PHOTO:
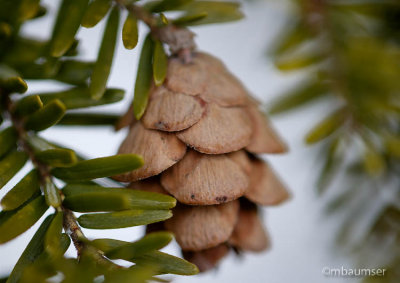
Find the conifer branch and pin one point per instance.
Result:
(70, 223)
(31, 197)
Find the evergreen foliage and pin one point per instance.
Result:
(24, 116)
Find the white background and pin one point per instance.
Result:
(301, 236)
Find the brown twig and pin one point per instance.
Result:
(72, 228)
(179, 39)
(22, 139)
(320, 22)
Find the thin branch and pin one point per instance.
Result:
(73, 230)
(44, 172)
(320, 21)
(179, 39)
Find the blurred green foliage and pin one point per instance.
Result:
(350, 51)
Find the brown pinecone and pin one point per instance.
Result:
(199, 138)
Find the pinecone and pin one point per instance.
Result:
(199, 138)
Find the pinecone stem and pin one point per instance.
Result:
(179, 39)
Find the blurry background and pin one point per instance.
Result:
(303, 234)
